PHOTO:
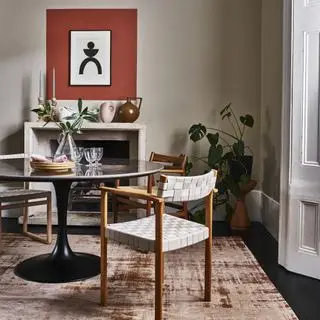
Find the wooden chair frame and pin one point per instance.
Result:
(159, 254)
(176, 167)
(24, 202)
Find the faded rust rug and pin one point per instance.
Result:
(240, 288)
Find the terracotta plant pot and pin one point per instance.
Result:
(240, 219)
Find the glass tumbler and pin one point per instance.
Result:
(90, 155)
(99, 155)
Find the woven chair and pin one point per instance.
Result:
(25, 198)
(161, 232)
(173, 165)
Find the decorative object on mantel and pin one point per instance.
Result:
(129, 111)
(107, 111)
(70, 125)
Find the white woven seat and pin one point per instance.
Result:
(140, 234)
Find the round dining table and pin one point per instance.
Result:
(63, 264)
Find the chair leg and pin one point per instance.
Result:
(162, 268)
(0, 229)
(30, 234)
(185, 210)
(148, 208)
(159, 270)
(149, 190)
(208, 249)
(115, 208)
(115, 203)
(25, 211)
(103, 249)
(159, 285)
(49, 220)
(103, 270)
(207, 273)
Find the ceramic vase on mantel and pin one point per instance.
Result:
(107, 111)
(130, 110)
(66, 146)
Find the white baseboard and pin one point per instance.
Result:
(270, 214)
(261, 208)
(264, 209)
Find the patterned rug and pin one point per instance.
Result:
(240, 288)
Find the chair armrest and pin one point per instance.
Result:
(132, 194)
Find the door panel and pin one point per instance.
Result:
(302, 232)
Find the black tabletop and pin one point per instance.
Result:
(20, 170)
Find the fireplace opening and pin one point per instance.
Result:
(111, 148)
(85, 196)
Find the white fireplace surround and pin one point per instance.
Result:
(37, 136)
(37, 141)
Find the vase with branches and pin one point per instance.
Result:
(68, 125)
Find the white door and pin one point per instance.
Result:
(300, 185)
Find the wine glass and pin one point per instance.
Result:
(79, 151)
(99, 155)
(90, 155)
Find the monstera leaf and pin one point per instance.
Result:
(197, 132)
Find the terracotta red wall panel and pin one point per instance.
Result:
(123, 25)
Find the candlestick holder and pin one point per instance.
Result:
(40, 101)
(54, 102)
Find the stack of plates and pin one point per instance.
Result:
(52, 166)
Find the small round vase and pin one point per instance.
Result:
(107, 111)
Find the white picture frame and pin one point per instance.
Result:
(90, 58)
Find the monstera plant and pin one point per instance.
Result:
(228, 154)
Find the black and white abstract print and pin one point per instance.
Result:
(90, 58)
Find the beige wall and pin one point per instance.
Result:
(240, 69)
(193, 57)
(271, 96)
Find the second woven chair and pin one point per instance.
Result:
(173, 165)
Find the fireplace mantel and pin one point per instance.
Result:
(35, 135)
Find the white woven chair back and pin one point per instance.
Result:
(13, 156)
(176, 188)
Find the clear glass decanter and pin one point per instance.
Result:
(66, 147)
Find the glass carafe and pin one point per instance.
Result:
(66, 147)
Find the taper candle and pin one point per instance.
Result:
(53, 83)
(40, 85)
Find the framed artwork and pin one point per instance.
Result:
(90, 58)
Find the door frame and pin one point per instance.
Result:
(286, 129)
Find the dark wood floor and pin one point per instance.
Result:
(301, 293)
